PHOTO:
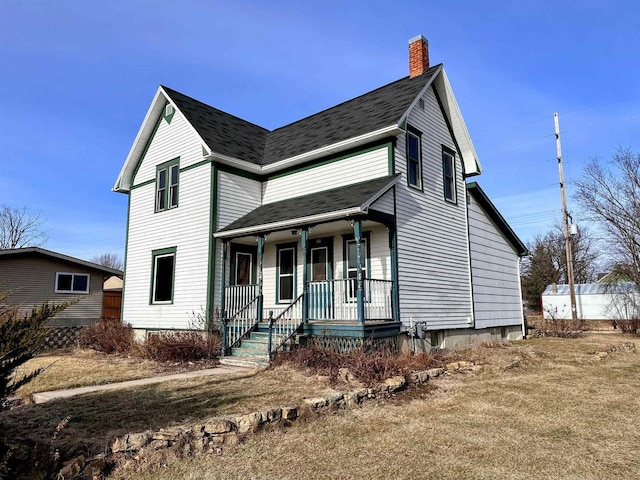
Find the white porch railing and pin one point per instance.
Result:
(236, 297)
(336, 299)
(284, 325)
(241, 305)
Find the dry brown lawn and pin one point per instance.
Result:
(543, 408)
(80, 368)
(95, 418)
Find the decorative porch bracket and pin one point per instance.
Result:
(357, 233)
(223, 313)
(260, 281)
(304, 240)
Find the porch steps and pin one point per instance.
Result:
(252, 352)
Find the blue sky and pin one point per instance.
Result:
(78, 77)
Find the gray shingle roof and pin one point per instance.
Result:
(334, 200)
(225, 133)
(230, 135)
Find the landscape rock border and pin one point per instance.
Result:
(211, 435)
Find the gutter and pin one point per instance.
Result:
(293, 222)
(390, 131)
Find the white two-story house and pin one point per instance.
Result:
(354, 223)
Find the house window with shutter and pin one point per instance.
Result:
(167, 179)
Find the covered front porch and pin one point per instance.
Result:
(333, 277)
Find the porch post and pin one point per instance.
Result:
(304, 240)
(357, 233)
(223, 313)
(260, 295)
(393, 247)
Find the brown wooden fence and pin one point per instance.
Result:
(111, 305)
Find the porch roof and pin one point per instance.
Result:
(318, 207)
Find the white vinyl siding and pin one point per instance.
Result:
(385, 203)
(433, 254)
(358, 168)
(495, 272)
(187, 229)
(170, 141)
(237, 196)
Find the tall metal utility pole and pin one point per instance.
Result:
(565, 222)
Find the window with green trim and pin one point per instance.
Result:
(286, 272)
(414, 163)
(163, 275)
(449, 175)
(167, 179)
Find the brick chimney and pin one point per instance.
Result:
(418, 56)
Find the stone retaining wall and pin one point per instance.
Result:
(210, 436)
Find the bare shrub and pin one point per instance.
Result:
(107, 336)
(558, 326)
(181, 346)
(629, 326)
(367, 365)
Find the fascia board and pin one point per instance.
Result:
(144, 133)
(161, 98)
(389, 131)
(294, 222)
(405, 115)
(469, 156)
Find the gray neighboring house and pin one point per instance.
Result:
(35, 275)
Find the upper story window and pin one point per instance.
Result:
(414, 163)
(72, 282)
(449, 174)
(167, 179)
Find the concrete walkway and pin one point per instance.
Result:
(221, 370)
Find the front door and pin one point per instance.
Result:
(320, 288)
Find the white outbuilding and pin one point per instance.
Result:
(594, 301)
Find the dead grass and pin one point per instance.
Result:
(539, 409)
(79, 368)
(97, 417)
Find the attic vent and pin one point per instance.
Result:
(421, 104)
(168, 110)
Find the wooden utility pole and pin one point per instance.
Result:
(565, 222)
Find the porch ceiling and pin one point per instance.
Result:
(319, 207)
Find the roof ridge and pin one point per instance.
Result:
(426, 72)
(169, 89)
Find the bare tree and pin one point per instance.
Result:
(20, 228)
(111, 260)
(610, 194)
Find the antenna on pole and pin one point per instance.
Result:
(565, 223)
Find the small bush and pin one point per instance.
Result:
(107, 336)
(367, 365)
(629, 326)
(20, 340)
(181, 346)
